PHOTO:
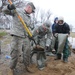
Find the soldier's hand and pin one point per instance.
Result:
(31, 38)
(11, 7)
(56, 34)
(38, 46)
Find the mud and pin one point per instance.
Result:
(53, 67)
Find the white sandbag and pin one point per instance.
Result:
(61, 42)
(70, 39)
(73, 43)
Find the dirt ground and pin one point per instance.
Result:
(53, 67)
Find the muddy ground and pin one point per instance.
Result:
(53, 67)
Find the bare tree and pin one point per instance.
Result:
(48, 14)
(36, 15)
(5, 20)
(40, 15)
(45, 15)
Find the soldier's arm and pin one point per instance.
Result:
(49, 38)
(35, 32)
(49, 34)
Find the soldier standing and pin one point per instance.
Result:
(19, 36)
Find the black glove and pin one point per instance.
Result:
(31, 38)
(11, 7)
(47, 48)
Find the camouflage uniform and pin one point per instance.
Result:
(43, 39)
(19, 37)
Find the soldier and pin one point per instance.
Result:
(19, 36)
(42, 41)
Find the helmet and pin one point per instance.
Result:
(60, 18)
(32, 5)
(47, 23)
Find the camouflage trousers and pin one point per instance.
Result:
(19, 46)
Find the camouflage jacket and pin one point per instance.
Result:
(17, 28)
(42, 37)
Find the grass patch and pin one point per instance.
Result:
(3, 33)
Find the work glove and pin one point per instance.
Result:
(11, 7)
(31, 38)
(56, 35)
(47, 48)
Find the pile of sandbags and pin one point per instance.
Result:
(72, 43)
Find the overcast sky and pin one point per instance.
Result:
(63, 8)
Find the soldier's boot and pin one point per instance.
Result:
(41, 59)
(41, 67)
(11, 72)
(65, 60)
(58, 57)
